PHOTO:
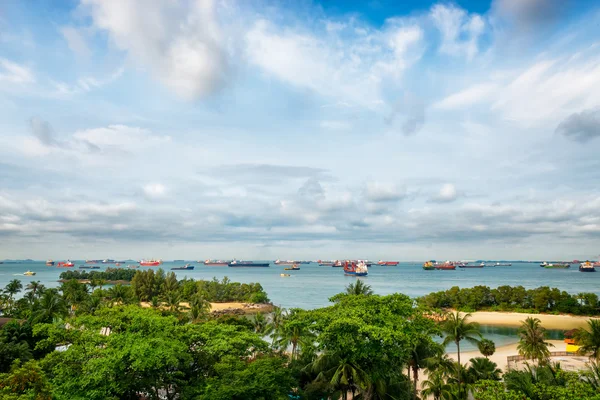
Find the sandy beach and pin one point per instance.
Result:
(247, 308)
(562, 322)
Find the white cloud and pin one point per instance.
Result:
(155, 190)
(11, 72)
(75, 41)
(123, 137)
(333, 125)
(467, 97)
(351, 69)
(446, 194)
(180, 42)
(379, 191)
(460, 31)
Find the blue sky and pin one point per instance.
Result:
(266, 129)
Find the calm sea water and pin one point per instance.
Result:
(311, 286)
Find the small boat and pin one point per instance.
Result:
(29, 273)
(388, 263)
(428, 266)
(288, 262)
(502, 264)
(49, 263)
(186, 267)
(216, 263)
(587, 267)
(89, 267)
(284, 275)
(247, 264)
(133, 266)
(557, 266)
(354, 269)
(543, 264)
(118, 264)
(150, 263)
(294, 267)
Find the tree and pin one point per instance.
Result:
(295, 333)
(588, 339)
(486, 347)
(483, 369)
(358, 288)
(199, 307)
(435, 386)
(119, 294)
(422, 350)
(457, 328)
(35, 287)
(532, 344)
(261, 325)
(50, 306)
(25, 381)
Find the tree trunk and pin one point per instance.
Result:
(415, 379)
(408, 374)
(459, 370)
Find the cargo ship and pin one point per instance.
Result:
(502, 264)
(150, 263)
(355, 269)
(557, 266)
(65, 264)
(49, 263)
(338, 264)
(587, 267)
(388, 263)
(186, 267)
(463, 265)
(89, 267)
(446, 266)
(248, 264)
(428, 266)
(325, 263)
(294, 267)
(288, 262)
(216, 263)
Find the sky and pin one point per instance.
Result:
(258, 129)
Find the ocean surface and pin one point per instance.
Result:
(312, 285)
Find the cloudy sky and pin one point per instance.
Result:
(265, 129)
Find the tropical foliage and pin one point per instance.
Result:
(532, 343)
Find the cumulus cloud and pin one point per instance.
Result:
(264, 173)
(581, 127)
(155, 190)
(384, 192)
(180, 42)
(460, 31)
(446, 194)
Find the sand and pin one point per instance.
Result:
(561, 322)
(248, 308)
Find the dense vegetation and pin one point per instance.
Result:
(110, 274)
(517, 298)
(77, 343)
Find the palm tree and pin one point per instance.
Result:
(340, 373)
(13, 288)
(588, 339)
(482, 368)
(173, 299)
(294, 334)
(486, 347)
(434, 386)
(199, 307)
(261, 325)
(422, 350)
(457, 328)
(35, 287)
(532, 344)
(358, 288)
(439, 363)
(592, 374)
(50, 305)
(277, 319)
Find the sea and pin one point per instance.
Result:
(312, 285)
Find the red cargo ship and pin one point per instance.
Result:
(66, 264)
(217, 263)
(388, 263)
(446, 265)
(150, 263)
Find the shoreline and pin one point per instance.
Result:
(232, 307)
(88, 281)
(512, 319)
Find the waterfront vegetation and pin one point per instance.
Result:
(110, 274)
(84, 342)
(515, 299)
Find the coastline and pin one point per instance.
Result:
(233, 307)
(513, 319)
(105, 282)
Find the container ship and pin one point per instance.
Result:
(150, 263)
(247, 264)
(388, 263)
(216, 263)
(355, 269)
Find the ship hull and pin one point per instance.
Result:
(351, 273)
(446, 268)
(151, 264)
(428, 268)
(216, 264)
(182, 269)
(470, 266)
(587, 269)
(249, 265)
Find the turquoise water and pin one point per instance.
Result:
(311, 286)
